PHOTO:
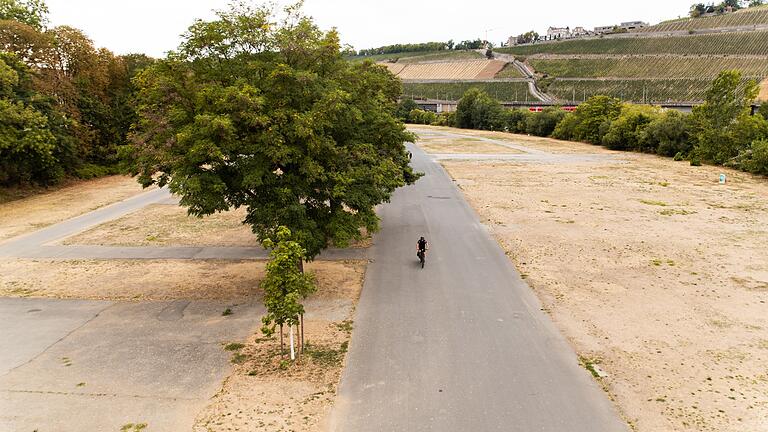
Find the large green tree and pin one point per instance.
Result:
(723, 126)
(262, 112)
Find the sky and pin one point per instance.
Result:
(154, 26)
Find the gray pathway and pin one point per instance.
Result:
(462, 345)
(96, 366)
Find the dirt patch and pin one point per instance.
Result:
(536, 143)
(38, 211)
(169, 225)
(267, 392)
(464, 146)
(652, 269)
(152, 280)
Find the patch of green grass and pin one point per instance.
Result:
(676, 212)
(133, 427)
(151, 238)
(654, 203)
(227, 312)
(238, 358)
(345, 326)
(66, 361)
(234, 346)
(82, 384)
(589, 364)
(326, 356)
(664, 184)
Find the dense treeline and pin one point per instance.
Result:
(65, 106)
(721, 131)
(401, 48)
(424, 47)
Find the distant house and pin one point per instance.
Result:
(633, 25)
(605, 29)
(579, 31)
(558, 33)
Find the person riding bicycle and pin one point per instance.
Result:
(422, 246)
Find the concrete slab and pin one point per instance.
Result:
(114, 363)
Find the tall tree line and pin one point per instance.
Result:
(65, 105)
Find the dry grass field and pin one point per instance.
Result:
(38, 211)
(650, 267)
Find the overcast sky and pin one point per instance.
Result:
(153, 26)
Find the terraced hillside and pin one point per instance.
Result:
(731, 43)
(465, 70)
(635, 90)
(500, 90)
(755, 16)
(647, 68)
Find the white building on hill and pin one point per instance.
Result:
(558, 33)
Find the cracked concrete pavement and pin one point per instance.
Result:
(96, 366)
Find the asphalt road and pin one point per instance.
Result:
(463, 344)
(96, 366)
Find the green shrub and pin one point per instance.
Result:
(91, 171)
(477, 110)
(515, 120)
(566, 129)
(404, 108)
(755, 158)
(669, 134)
(418, 116)
(543, 124)
(446, 119)
(591, 120)
(627, 131)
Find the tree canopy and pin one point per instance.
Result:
(78, 99)
(260, 110)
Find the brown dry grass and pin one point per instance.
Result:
(763, 96)
(537, 143)
(169, 225)
(650, 267)
(38, 211)
(460, 146)
(153, 280)
(268, 393)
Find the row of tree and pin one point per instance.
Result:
(722, 131)
(699, 9)
(65, 106)
(423, 47)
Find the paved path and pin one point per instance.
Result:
(463, 344)
(96, 366)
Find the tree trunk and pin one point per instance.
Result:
(282, 345)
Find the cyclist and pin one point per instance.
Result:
(422, 246)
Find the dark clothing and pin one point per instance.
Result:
(422, 245)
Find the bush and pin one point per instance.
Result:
(419, 116)
(591, 120)
(543, 124)
(404, 108)
(515, 120)
(91, 171)
(668, 134)
(566, 129)
(627, 131)
(477, 110)
(446, 119)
